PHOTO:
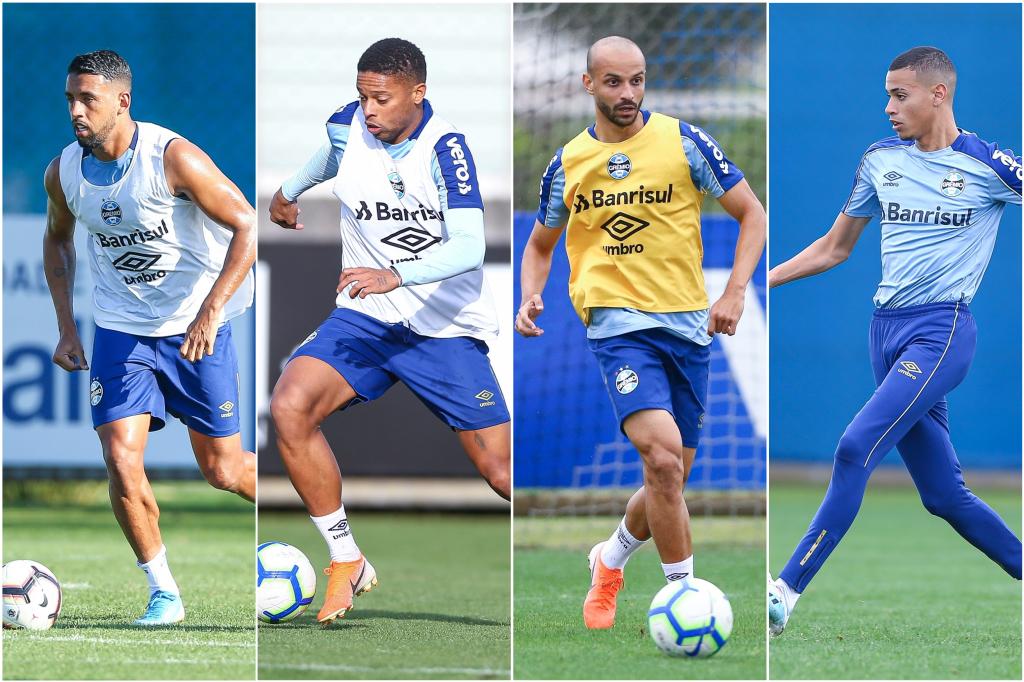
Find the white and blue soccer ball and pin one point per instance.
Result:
(32, 596)
(285, 582)
(690, 618)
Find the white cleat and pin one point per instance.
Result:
(778, 614)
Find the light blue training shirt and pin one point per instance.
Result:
(939, 211)
(706, 176)
(464, 248)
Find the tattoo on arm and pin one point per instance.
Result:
(479, 441)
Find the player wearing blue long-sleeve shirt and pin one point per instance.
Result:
(939, 193)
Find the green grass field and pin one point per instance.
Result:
(440, 611)
(209, 536)
(902, 597)
(551, 580)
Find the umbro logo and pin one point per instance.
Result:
(672, 577)
(226, 408)
(341, 528)
(891, 177)
(909, 368)
(411, 239)
(133, 261)
(485, 397)
(622, 226)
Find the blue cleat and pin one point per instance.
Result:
(164, 608)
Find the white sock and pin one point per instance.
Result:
(618, 548)
(680, 570)
(158, 573)
(338, 536)
(789, 595)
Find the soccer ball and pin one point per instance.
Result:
(690, 618)
(285, 582)
(32, 596)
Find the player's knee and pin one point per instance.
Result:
(499, 479)
(945, 505)
(291, 414)
(851, 449)
(220, 475)
(124, 464)
(663, 470)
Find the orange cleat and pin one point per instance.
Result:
(605, 583)
(348, 579)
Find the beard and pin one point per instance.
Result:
(619, 119)
(98, 138)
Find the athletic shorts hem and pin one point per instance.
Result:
(155, 424)
(476, 427)
(360, 397)
(202, 429)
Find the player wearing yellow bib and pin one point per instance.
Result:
(627, 192)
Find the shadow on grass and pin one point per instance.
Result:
(118, 623)
(353, 620)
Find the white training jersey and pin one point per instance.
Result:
(154, 256)
(392, 211)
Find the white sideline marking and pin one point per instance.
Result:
(130, 640)
(364, 669)
(76, 586)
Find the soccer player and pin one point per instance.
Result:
(412, 304)
(628, 191)
(171, 246)
(939, 193)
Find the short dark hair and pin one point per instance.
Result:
(927, 60)
(394, 57)
(106, 63)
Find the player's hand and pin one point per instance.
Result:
(726, 313)
(285, 213)
(201, 334)
(367, 281)
(528, 312)
(70, 354)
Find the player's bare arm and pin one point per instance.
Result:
(192, 173)
(535, 268)
(823, 254)
(742, 204)
(59, 265)
(285, 213)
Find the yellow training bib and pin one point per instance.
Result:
(633, 233)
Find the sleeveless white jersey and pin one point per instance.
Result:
(391, 212)
(154, 256)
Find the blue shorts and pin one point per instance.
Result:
(133, 375)
(654, 369)
(452, 376)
